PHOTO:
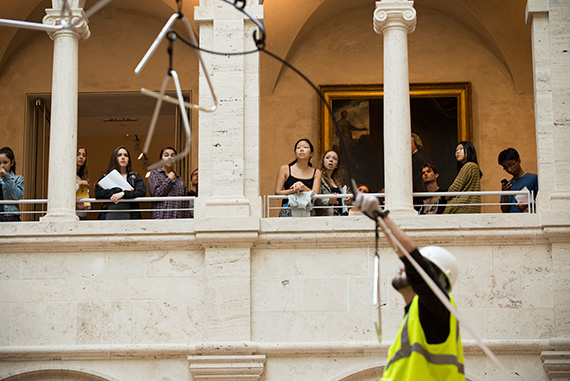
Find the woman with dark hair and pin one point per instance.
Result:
(330, 184)
(299, 175)
(82, 184)
(121, 161)
(468, 180)
(11, 186)
(164, 182)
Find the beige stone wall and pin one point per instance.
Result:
(92, 291)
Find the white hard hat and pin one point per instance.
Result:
(443, 260)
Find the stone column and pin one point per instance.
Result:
(63, 135)
(228, 209)
(395, 19)
(229, 137)
(551, 99)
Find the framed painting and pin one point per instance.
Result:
(440, 115)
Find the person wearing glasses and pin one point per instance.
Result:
(510, 160)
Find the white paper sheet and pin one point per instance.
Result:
(522, 198)
(115, 180)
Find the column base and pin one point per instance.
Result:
(560, 201)
(225, 206)
(59, 216)
(401, 209)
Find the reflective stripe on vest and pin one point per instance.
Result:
(406, 350)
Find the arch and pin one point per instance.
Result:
(368, 373)
(58, 374)
(12, 39)
(486, 18)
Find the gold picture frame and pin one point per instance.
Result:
(441, 114)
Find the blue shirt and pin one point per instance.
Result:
(528, 180)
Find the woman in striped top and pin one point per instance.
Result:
(468, 180)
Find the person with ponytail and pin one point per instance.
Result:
(299, 175)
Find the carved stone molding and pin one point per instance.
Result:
(394, 15)
(556, 364)
(222, 368)
(53, 17)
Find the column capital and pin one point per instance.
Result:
(245, 367)
(391, 14)
(53, 17)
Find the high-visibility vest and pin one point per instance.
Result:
(411, 358)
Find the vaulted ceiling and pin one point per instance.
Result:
(499, 23)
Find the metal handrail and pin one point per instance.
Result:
(531, 204)
(100, 201)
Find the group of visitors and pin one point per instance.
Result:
(299, 181)
(162, 182)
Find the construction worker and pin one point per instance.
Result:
(428, 345)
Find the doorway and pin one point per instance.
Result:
(105, 121)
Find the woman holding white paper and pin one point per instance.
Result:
(121, 162)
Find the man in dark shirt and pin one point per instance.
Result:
(435, 204)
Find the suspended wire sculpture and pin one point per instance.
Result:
(172, 36)
(67, 21)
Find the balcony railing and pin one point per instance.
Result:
(270, 201)
(32, 209)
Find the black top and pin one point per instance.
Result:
(434, 317)
(292, 180)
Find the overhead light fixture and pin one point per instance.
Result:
(131, 119)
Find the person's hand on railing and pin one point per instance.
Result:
(117, 196)
(334, 201)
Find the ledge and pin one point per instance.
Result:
(453, 230)
(282, 349)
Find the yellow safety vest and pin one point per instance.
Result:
(411, 358)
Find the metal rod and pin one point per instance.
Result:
(30, 25)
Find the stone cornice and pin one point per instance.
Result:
(474, 230)
(399, 15)
(273, 349)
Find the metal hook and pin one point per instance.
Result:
(179, 7)
(235, 4)
(259, 42)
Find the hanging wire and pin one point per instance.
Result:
(260, 47)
